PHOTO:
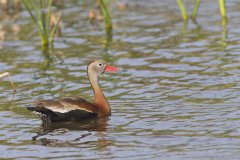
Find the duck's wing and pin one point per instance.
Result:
(64, 109)
(66, 105)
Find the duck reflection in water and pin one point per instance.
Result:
(92, 127)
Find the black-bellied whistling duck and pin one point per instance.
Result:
(75, 109)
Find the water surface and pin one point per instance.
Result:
(176, 96)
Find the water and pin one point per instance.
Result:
(176, 96)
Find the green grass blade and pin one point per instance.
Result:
(28, 7)
(222, 7)
(43, 21)
(183, 9)
(195, 9)
(48, 18)
(108, 22)
(106, 15)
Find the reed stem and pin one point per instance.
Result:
(195, 9)
(183, 9)
(222, 7)
(107, 20)
(42, 18)
(10, 79)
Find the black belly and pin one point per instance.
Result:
(74, 115)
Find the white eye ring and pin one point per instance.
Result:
(100, 65)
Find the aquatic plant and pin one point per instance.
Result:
(183, 9)
(195, 9)
(222, 7)
(107, 20)
(42, 19)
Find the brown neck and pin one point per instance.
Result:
(100, 100)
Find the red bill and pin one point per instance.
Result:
(110, 69)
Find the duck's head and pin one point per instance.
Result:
(98, 67)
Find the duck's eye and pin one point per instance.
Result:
(100, 65)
